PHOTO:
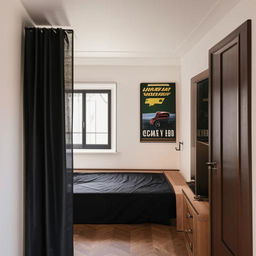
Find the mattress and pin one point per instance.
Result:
(102, 198)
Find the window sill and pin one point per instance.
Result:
(94, 151)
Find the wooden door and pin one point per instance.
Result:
(230, 144)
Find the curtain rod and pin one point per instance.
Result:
(31, 28)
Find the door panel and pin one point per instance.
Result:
(230, 146)
(230, 193)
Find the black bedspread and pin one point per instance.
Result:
(123, 198)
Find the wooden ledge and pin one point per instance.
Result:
(178, 183)
(123, 170)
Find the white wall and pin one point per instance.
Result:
(131, 153)
(12, 18)
(196, 60)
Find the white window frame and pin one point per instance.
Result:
(101, 86)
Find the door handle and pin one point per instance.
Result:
(212, 165)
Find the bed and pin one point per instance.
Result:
(108, 198)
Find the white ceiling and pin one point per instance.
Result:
(132, 28)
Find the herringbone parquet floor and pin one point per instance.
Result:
(128, 240)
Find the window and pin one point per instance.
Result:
(93, 124)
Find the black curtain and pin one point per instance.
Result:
(48, 101)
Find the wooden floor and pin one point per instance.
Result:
(128, 240)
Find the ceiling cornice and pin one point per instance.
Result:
(126, 61)
(130, 58)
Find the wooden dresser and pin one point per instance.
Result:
(195, 224)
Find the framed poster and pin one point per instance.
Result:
(157, 112)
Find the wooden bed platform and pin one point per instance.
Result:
(173, 176)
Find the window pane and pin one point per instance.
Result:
(78, 119)
(101, 138)
(90, 138)
(97, 118)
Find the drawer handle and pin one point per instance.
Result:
(189, 230)
(189, 216)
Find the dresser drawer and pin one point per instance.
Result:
(195, 225)
(188, 228)
(189, 232)
(189, 244)
(188, 216)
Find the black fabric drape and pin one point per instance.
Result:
(48, 85)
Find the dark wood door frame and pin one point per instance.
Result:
(235, 46)
(194, 81)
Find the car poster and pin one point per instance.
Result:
(158, 112)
